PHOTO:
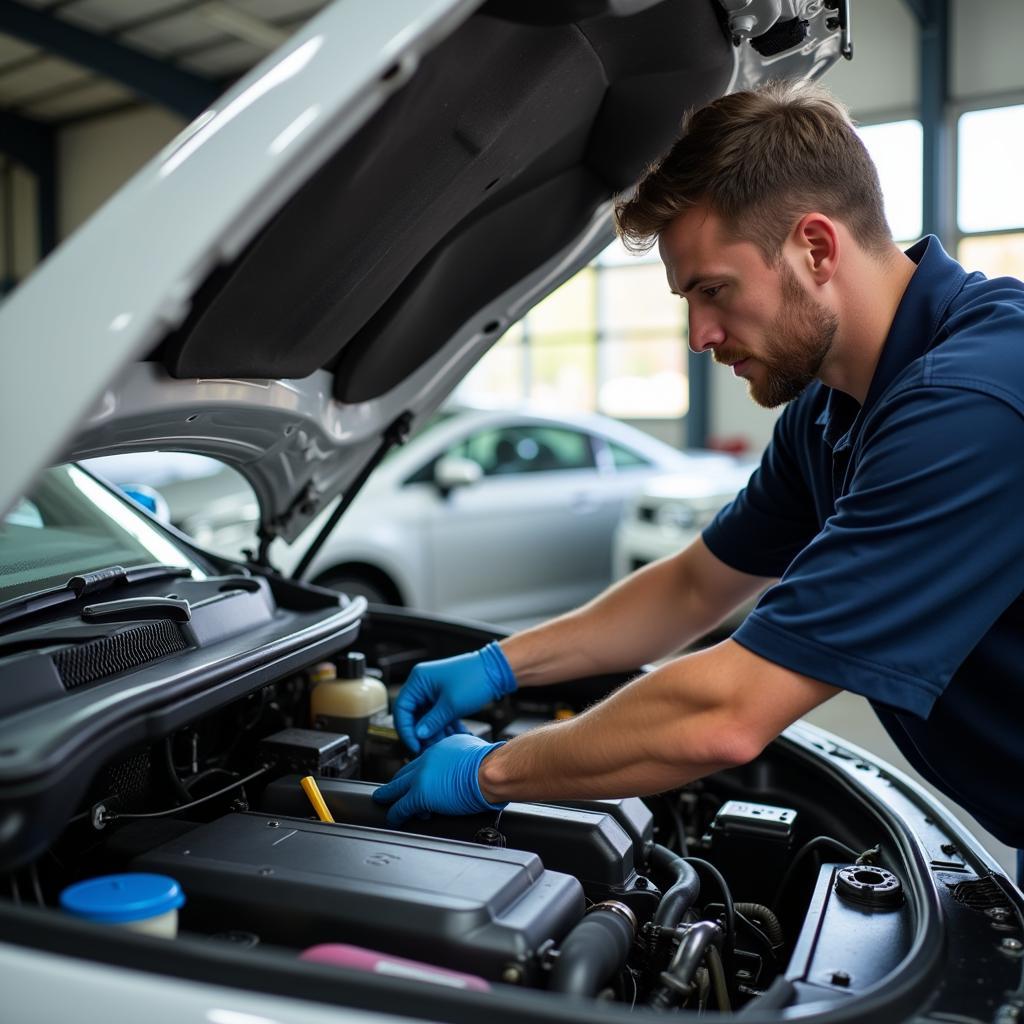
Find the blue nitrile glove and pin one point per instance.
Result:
(443, 779)
(437, 692)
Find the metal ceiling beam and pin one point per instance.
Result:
(33, 145)
(179, 90)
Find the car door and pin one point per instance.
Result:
(527, 538)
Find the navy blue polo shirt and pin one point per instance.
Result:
(897, 532)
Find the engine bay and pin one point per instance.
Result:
(750, 886)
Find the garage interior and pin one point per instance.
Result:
(90, 90)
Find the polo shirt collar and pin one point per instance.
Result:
(912, 333)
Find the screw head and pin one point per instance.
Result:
(641, 882)
(512, 975)
(1012, 945)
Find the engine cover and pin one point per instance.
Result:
(299, 883)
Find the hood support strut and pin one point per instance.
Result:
(397, 433)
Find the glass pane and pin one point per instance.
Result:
(626, 458)
(527, 449)
(499, 379)
(990, 155)
(896, 149)
(644, 378)
(567, 310)
(994, 256)
(563, 374)
(637, 297)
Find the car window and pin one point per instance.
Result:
(527, 449)
(627, 458)
(71, 524)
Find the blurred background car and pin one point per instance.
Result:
(504, 515)
(669, 512)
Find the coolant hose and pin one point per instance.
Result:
(677, 978)
(594, 950)
(683, 892)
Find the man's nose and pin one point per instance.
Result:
(705, 331)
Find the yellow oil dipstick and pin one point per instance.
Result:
(312, 790)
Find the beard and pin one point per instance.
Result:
(796, 343)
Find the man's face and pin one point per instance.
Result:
(756, 318)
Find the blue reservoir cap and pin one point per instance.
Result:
(119, 898)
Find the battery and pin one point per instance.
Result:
(750, 844)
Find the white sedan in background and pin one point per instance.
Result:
(503, 516)
(669, 512)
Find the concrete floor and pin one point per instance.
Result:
(851, 717)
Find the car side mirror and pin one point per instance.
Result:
(454, 471)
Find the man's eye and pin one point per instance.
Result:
(712, 291)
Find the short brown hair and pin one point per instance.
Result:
(760, 160)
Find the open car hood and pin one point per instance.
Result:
(324, 254)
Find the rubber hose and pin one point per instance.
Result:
(684, 890)
(759, 913)
(592, 952)
(677, 978)
(717, 972)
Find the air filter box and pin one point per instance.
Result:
(299, 883)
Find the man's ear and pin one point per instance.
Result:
(817, 244)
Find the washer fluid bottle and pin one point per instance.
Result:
(347, 701)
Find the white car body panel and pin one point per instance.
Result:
(313, 93)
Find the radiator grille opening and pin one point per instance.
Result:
(110, 655)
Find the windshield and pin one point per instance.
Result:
(69, 524)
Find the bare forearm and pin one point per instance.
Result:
(641, 619)
(693, 716)
(660, 731)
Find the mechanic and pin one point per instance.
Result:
(886, 510)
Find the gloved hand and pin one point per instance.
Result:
(443, 779)
(437, 692)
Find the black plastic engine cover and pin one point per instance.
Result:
(299, 883)
(587, 843)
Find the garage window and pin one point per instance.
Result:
(990, 203)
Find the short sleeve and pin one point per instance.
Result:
(773, 517)
(922, 555)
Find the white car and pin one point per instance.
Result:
(292, 286)
(669, 513)
(501, 516)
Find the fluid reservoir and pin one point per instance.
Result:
(142, 902)
(347, 700)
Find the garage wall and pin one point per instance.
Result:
(96, 157)
(987, 47)
(19, 252)
(884, 36)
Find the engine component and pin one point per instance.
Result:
(870, 887)
(346, 700)
(588, 844)
(342, 955)
(751, 845)
(301, 883)
(677, 979)
(309, 750)
(683, 892)
(594, 950)
(845, 947)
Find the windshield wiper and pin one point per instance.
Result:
(85, 585)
